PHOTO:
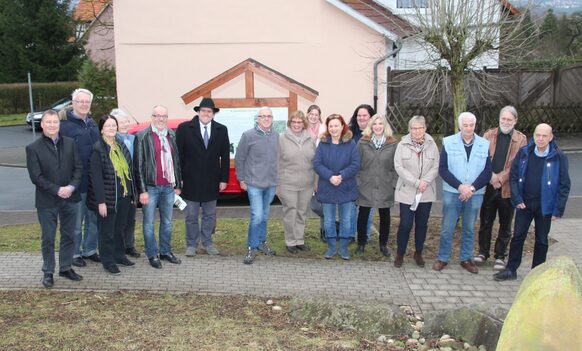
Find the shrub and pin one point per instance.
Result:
(100, 79)
(14, 96)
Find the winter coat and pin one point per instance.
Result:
(144, 160)
(555, 179)
(518, 140)
(337, 159)
(51, 167)
(203, 169)
(85, 133)
(295, 166)
(377, 176)
(412, 168)
(256, 158)
(104, 184)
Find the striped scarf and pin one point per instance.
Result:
(165, 155)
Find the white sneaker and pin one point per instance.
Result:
(190, 251)
(479, 259)
(499, 265)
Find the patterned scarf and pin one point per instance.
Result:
(119, 164)
(165, 155)
(378, 142)
(314, 131)
(418, 145)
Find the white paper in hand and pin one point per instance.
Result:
(179, 202)
(416, 201)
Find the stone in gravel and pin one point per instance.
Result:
(445, 349)
(418, 326)
(547, 311)
(476, 324)
(445, 336)
(270, 302)
(411, 343)
(422, 340)
(423, 348)
(483, 348)
(375, 318)
(466, 346)
(277, 308)
(415, 334)
(381, 338)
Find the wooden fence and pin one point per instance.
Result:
(551, 96)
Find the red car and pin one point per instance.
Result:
(233, 186)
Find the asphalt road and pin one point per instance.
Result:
(17, 192)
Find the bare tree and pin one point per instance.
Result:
(459, 38)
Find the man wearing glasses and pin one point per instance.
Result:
(80, 126)
(157, 177)
(256, 170)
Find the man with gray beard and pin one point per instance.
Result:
(504, 143)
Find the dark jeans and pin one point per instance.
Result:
(523, 218)
(493, 203)
(363, 217)
(66, 213)
(111, 247)
(420, 220)
(129, 230)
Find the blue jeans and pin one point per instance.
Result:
(88, 241)
(523, 219)
(162, 197)
(355, 221)
(260, 200)
(346, 219)
(452, 208)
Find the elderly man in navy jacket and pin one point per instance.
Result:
(80, 126)
(55, 169)
(204, 150)
(540, 185)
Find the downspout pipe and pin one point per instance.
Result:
(396, 48)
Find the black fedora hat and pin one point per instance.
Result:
(207, 102)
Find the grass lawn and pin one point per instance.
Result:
(231, 236)
(12, 120)
(50, 320)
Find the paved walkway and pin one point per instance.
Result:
(422, 288)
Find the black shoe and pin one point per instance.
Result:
(250, 256)
(505, 274)
(292, 249)
(47, 280)
(155, 262)
(125, 262)
(360, 249)
(322, 235)
(171, 258)
(385, 251)
(132, 252)
(302, 247)
(113, 269)
(79, 262)
(70, 274)
(94, 257)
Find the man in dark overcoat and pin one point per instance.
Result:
(204, 150)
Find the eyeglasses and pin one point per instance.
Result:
(160, 116)
(265, 116)
(83, 102)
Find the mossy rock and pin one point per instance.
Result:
(372, 318)
(546, 314)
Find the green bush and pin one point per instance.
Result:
(100, 79)
(14, 96)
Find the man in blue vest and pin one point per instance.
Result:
(465, 167)
(540, 185)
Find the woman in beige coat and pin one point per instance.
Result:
(417, 164)
(296, 179)
(376, 179)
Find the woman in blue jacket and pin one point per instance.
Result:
(337, 162)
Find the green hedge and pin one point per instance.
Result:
(14, 96)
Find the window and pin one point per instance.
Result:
(409, 4)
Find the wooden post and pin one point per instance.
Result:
(292, 103)
(249, 85)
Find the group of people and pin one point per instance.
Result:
(90, 177)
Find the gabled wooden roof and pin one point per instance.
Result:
(380, 15)
(249, 67)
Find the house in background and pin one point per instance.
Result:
(341, 48)
(94, 27)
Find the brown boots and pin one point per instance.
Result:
(418, 259)
(399, 260)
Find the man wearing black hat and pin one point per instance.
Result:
(204, 150)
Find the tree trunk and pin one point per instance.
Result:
(459, 100)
